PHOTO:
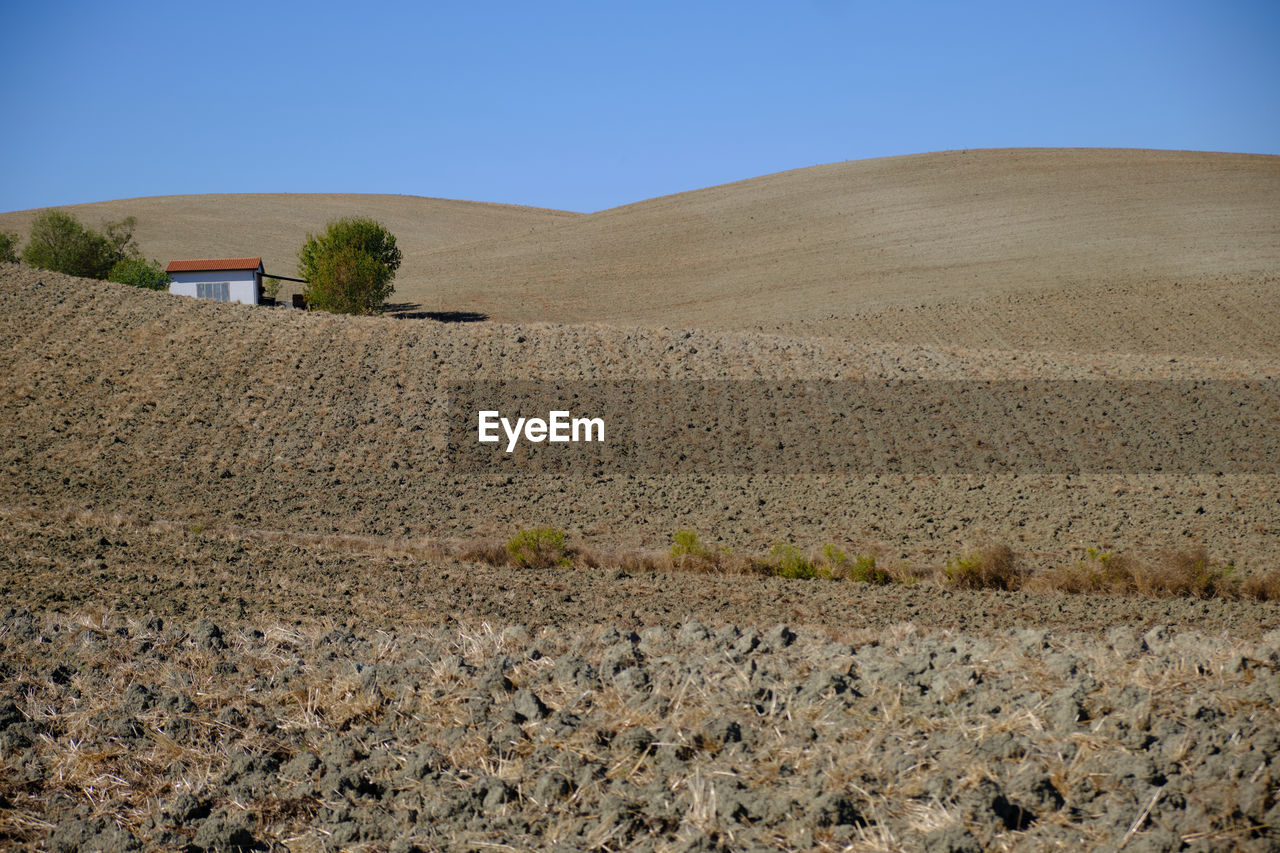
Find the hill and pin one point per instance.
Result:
(273, 225)
(1065, 250)
(164, 407)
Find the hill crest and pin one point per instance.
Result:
(1059, 249)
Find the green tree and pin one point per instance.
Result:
(120, 236)
(8, 247)
(349, 268)
(59, 242)
(140, 272)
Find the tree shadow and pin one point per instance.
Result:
(405, 311)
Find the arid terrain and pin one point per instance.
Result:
(255, 591)
(1052, 249)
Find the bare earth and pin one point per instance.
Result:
(237, 609)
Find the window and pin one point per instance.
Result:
(219, 290)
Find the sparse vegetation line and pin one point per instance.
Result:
(1187, 574)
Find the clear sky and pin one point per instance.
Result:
(587, 105)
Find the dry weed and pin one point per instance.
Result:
(1170, 574)
(1264, 586)
(993, 567)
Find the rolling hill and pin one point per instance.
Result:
(163, 407)
(1082, 249)
(1063, 249)
(273, 225)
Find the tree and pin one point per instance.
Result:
(59, 242)
(140, 272)
(349, 268)
(120, 236)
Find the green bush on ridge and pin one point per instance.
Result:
(539, 548)
(790, 562)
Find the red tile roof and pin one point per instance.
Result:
(214, 264)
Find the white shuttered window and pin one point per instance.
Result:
(218, 290)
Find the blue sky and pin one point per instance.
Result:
(584, 106)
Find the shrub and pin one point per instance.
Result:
(994, 567)
(539, 548)
(687, 551)
(140, 272)
(790, 562)
(835, 563)
(1188, 573)
(8, 247)
(59, 242)
(862, 568)
(1098, 572)
(349, 267)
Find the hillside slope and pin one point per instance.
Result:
(1063, 249)
(162, 407)
(1160, 252)
(273, 225)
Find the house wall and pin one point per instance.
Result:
(244, 283)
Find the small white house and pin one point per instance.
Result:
(223, 279)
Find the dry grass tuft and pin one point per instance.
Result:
(488, 552)
(1187, 574)
(689, 554)
(1262, 587)
(992, 567)
(1171, 574)
(860, 568)
(1098, 572)
(635, 561)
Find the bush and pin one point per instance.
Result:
(8, 247)
(59, 242)
(140, 272)
(349, 268)
(539, 548)
(994, 567)
(687, 548)
(1098, 572)
(1190, 574)
(837, 564)
(790, 562)
(1185, 574)
(860, 568)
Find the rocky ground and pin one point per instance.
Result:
(165, 409)
(247, 600)
(170, 690)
